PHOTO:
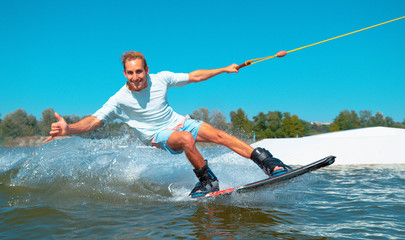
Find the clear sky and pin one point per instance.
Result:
(66, 54)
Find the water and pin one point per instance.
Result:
(88, 189)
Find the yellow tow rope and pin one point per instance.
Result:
(283, 53)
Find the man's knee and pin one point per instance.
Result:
(187, 137)
(183, 140)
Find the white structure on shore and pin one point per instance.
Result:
(374, 145)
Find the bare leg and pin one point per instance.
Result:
(181, 140)
(208, 182)
(207, 133)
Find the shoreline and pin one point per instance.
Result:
(30, 141)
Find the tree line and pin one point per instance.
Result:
(273, 124)
(276, 124)
(20, 124)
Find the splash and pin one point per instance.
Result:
(78, 168)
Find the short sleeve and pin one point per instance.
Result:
(175, 79)
(107, 113)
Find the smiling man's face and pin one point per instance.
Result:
(136, 74)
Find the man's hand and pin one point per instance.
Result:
(231, 68)
(59, 128)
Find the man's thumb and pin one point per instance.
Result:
(58, 116)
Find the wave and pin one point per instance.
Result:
(85, 168)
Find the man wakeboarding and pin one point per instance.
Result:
(142, 104)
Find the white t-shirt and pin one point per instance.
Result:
(147, 112)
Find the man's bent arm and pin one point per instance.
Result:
(61, 128)
(85, 125)
(202, 75)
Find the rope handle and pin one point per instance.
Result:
(253, 61)
(247, 63)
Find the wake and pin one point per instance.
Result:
(78, 168)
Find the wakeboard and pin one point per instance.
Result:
(272, 180)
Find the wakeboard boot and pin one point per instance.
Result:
(265, 160)
(208, 182)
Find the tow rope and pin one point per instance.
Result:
(283, 53)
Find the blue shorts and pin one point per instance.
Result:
(190, 125)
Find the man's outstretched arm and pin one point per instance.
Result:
(61, 128)
(202, 75)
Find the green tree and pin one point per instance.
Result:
(389, 122)
(261, 125)
(276, 125)
(292, 126)
(377, 120)
(17, 124)
(345, 120)
(368, 120)
(241, 125)
(365, 118)
(48, 117)
(268, 125)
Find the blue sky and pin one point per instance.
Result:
(66, 54)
